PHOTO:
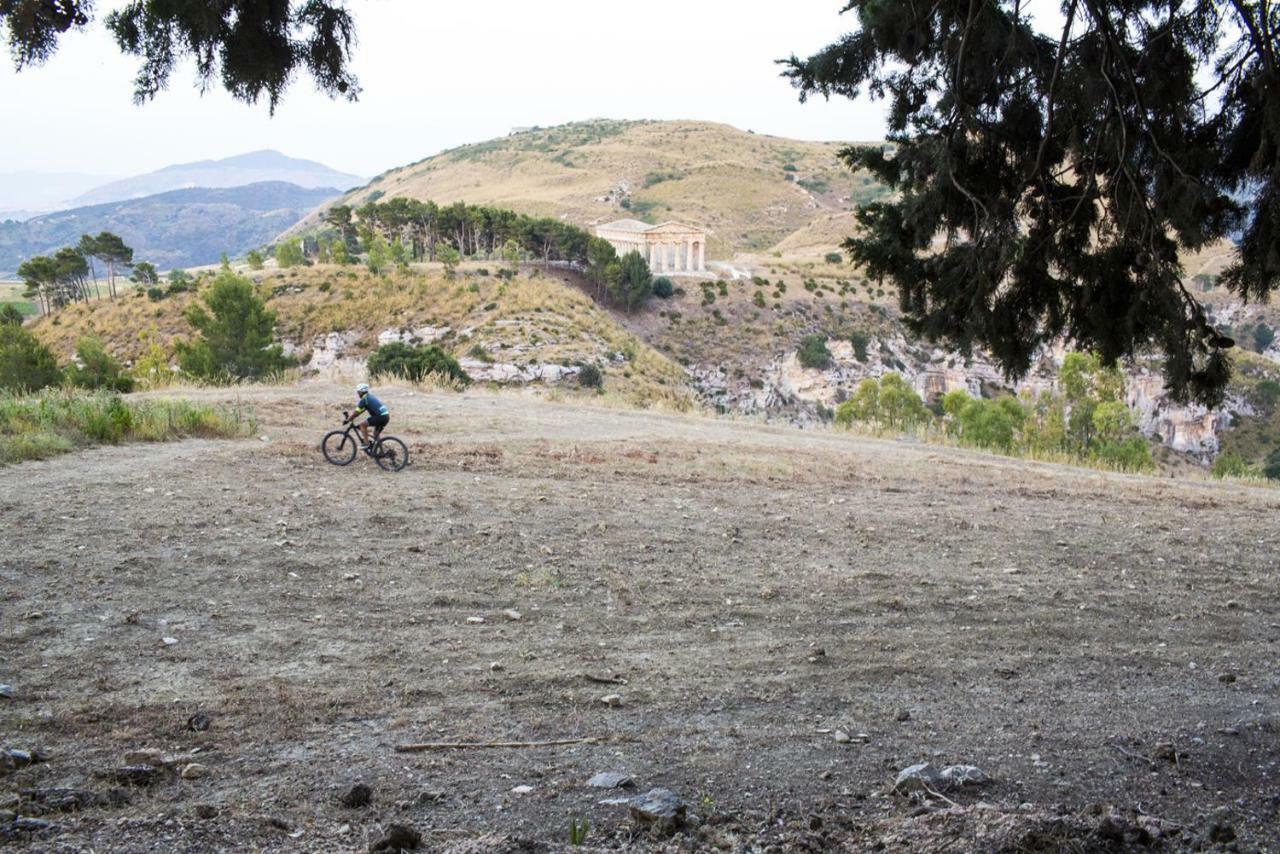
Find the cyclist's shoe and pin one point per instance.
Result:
(368, 447)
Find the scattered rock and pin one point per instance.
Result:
(475, 621)
(168, 641)
(12, 759)
(398, 837)
(1222, 833)
(661, 809)
(67, 799)
(904, 716)
(522, 790)
(205, 811)
(841, 737)
(817, 655)
(956, 776)
(154, 758)
(610, 780)
(1165, 751)
(199, 722)
(513, 616)
(357, 796)
(194, 771)
(917, 778)
(614, 700)
(25, 824)
(1227, 678)
(1158, 828)
(431, 797)
(6, 691)
(496, 667)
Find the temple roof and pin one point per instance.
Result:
(635, 226)
(626, 225)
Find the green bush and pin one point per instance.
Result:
(1267, 394)
(9, 315)
(1271, 468)
(663, 288)
(155, 294)
(25, 363)
(97, 370)
(589, 376)
(1263, 336)
(813, 352)
(415, 364)
(859, 340)
(833, 258)
(1231, 464)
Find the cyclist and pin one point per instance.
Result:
(378, 418)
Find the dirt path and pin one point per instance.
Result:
(757, 589)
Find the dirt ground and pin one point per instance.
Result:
(1104, 647)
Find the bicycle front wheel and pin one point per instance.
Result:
(391, 453)
(339, 447)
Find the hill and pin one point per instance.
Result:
(256, 167)
(749, 190)
(27, 193)
(180, 228)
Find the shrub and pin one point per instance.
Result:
(589, 376)
(9, 315)
(155, 294)
(813, 352)
(1267, 394)
(859, 340)
(758, 299)
(833, 258)
(255, 259)
(1263, 336)
(289, 254)
(415, 363)
(1231, 464)
(663, 288)
(25, 363)
(97, 370)
(1271, 468)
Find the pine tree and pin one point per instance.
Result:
(1066, 171)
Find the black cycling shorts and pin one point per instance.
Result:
(378, 421)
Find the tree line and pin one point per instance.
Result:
(401, 230)
(71, 275)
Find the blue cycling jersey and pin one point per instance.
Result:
(372, 405)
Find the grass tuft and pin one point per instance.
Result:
(50, 423)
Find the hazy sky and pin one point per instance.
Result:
(437, 75)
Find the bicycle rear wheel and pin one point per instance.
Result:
(391, 453)
(339, 447)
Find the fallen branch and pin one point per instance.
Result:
(463, 745)
(605, 680)
(1131, 754)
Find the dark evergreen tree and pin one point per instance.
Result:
(252, 47)
(1064, 172)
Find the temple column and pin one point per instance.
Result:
(702, 256)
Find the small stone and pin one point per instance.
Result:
(955, 776)
(522, 790)
(513, 616)
(398, 837)
(904, 716)
(917, 778)
(1227, 678)
(199, 722)
(6, 691)
(475, 621)
(206, 811)
(817, 655)
(613, 700)
(432, 796)
(168, 641)
(496, 667)
(841, 737)
(145, 757)
(1164, 750)
(25, 824)
(610, 780)
(343, 830)
(357, 796)
(659, 808)
(194, 771)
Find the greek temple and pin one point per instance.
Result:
(669, 248)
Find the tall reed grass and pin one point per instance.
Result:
(49, 423)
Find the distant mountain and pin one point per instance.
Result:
(243, 169)
(28, 193)
(180, 228)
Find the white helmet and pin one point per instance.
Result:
(363, 388)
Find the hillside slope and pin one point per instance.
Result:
(255, 167)
(749, 190)
(181, 228)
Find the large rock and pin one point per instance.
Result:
(661, 809)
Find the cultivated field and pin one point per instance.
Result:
(1102, 646)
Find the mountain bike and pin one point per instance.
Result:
(339, 447)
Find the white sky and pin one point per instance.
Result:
(436, 75)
